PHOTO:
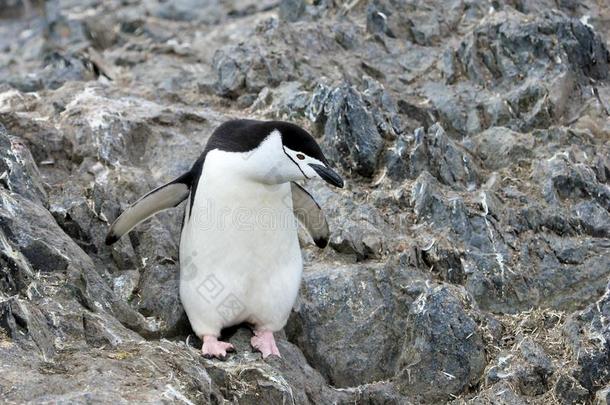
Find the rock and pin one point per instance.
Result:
(436, 153)
(365, 301)
(377, 20)
(287, 102)
(562, 179)
(18, 171)
(500, 147)
(443, 351)
(187, 10)
(493, 56)
(288, 379)
(516, 33)
(593, 219)
(530, 370)
(245, 68)
(102, 330)
(361, 233)
(55, 147)
(108, 375)
(500, 393)
(48, 250)
(27, 325)
(291, 10)
(570, 391)
(61, 68)
(125, 284)
(440, 156)
(587, 335)
(351, 137)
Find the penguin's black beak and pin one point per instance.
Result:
(328, 174)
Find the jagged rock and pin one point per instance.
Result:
(18, 171)
(276, 380)
(25, 324)
(351, 137)
(287, 102)
(499, 147)
(366, 301)
(443, 352)
(498, 55)
(101, 330)
(569, 390)
(501, 393)
(588, 335)
(433, 151)
(497, 51)
(437, 154)
(132, 372)
(55, 148)
(530, 369)
(562, 179)
(243, 68)
(291, 10)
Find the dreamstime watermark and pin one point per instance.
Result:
(211, 216)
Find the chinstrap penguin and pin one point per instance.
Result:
(240, 259)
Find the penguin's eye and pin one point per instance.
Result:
(300, 156)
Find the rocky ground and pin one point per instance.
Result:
(470, 251)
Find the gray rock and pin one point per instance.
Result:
(365, 298)
(525, 95)
(101, 330)
(351, 137)
(587, 334)
(208, 11)
(377, 20)
(501, 393)
(530, 369)
(291, 10)
(569, 390)
(563, 179)
(288, 379)
(436, 153)
(18, 171)
(500, 147)
(249, 69)
(443, 352)
(133, 372)
(287, 102)
(25, 324)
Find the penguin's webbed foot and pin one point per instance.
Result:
(264, 342)
(214, 348)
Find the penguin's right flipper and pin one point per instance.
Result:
(309, 213)
(167, 196)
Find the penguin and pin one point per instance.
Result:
(240, 259)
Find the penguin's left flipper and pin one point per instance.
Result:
(309, 213)
(167, 196)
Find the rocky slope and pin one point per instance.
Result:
(470, 254)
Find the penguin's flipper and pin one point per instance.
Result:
(309, 213)
(167, 196)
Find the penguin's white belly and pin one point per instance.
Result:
(239, 256)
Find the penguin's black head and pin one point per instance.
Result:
(305, 153)
(274, 151)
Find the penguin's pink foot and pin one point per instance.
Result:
(214, 348)
(264, 342)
